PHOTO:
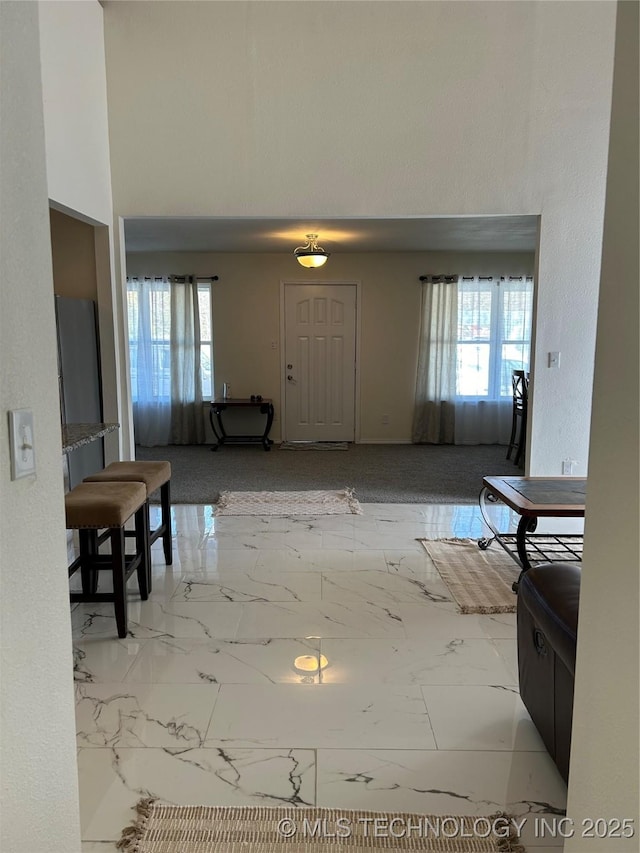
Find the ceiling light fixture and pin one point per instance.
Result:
(311, 255)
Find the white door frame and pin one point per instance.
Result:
(330, 282)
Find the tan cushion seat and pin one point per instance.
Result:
(152, 474)
(98, 505)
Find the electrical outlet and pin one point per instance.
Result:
(567, 466)
(385, 420)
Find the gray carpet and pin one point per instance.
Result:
(379, 473)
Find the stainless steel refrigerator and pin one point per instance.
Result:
(79, 379)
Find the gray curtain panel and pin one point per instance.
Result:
(434, 413)
(164, 349)
(187, 425)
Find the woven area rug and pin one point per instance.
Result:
(479, 581)
(204, 829)
(289, 503)
(314, 445)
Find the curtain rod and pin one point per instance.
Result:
(196, 277)
(184, 277)
(436, 278)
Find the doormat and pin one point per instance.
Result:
(288, 503)
(479, 581)
(259, 829)
(314, 445)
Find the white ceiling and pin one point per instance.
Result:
(250, 234)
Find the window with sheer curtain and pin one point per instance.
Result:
(494, 335)
(170, 353)
(475, 331)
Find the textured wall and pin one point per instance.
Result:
(39, 797)
(604, 762)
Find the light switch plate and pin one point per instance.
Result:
(23, 454)
(554, 359)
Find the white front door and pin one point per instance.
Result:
(320, 361)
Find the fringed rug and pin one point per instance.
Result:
(288, 503)
(258, 829)
(479, 581)
(314, 445)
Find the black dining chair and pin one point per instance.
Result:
(520, 385)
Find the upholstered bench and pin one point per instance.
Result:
(547, 616)
(91, 507)
(154, 475)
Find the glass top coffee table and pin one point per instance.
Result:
(533, 498)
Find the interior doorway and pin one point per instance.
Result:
(319, 361)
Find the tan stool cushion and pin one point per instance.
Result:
(97, 505)
(152, 474)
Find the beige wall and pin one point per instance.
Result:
(79, 171)
(246, 308)
(39, 792)
(387, 109)
(603, 779)
(73, 253)
(74, 99)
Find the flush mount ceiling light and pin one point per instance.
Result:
(311, 255)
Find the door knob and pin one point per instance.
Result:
(290, 378)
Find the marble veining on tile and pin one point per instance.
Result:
(243, 661)
(250, 586)
(378, 587)
(114, 779)
(316, 661)
(144, 715)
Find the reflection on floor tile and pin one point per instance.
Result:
(381, 587)
(441, 661)
(103, 659)
(259, 661)
(322, 619)
(306, 661)
(315, 560)
(148, 619)
(480, 717)
(508, 651)
(440, 621)
(330, 716)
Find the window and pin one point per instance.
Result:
(494, 334)
(150, 308)
(206, 339)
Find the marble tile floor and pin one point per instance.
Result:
(215, 696)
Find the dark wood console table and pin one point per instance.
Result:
(221, 404)
(533, 498)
